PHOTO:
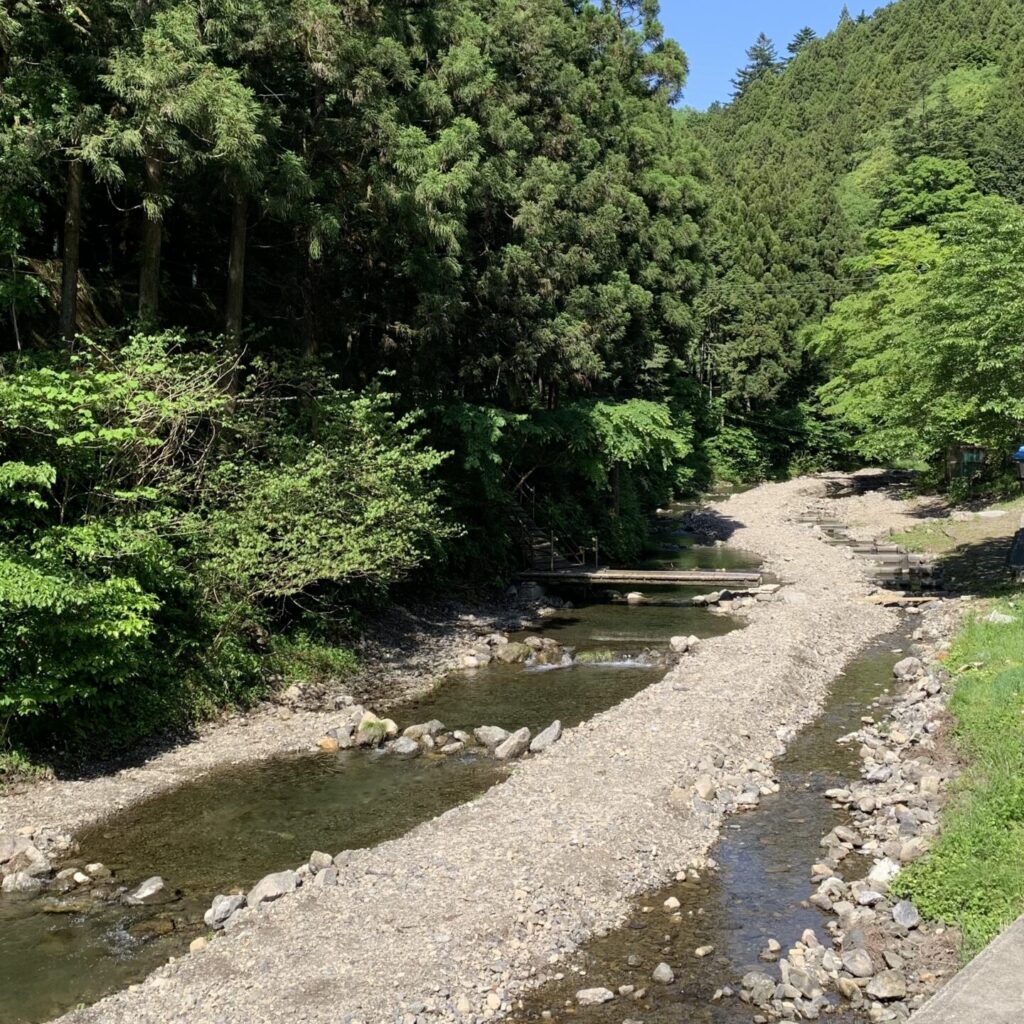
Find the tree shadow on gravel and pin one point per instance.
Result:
(979, 568)
(707, 522)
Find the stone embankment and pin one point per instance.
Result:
(451, 921)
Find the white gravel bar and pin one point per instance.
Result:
(452, 920)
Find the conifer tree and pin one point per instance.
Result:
(762, 63)
(804, 37)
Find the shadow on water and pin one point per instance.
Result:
(229, 828)
(758, 892)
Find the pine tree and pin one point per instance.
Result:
(762, 63)
(805, 36)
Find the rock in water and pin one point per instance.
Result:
(514, 746)
(146, 892)
(546, 738)
(664, 974)
(593, 996)
(512, 653)
(405, 747)
(223, 907)
(431, 728)
(20, 881)
(908, 668)
(490, 736)
(272, 887)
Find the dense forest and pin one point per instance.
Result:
(310, 303)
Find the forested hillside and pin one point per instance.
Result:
(306, 300)
(874, 178)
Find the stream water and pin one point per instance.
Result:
(758, 892)
(229, 828)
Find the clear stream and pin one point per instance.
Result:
(229, 828)
(757, 893)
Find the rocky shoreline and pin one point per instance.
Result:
(395, 667)
(880, 959)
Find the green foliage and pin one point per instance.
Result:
(974, 876)
(302, 657)
(929, 355)
(737, 455)
(894, 122)
(151, 524)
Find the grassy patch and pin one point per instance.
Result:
(15, 766)
(974, 876)
(945, 534)
(302, 658)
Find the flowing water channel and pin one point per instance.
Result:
(232, 826)
(758, 892)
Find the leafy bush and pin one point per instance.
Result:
(153, 524)
(738, 455)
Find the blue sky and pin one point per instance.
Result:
(716, 35)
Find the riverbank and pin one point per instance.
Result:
(457, 916)
(401, 657)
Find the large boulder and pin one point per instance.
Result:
(223, 907)
(272, 887)
(405, 747)
(546, 738)
(371, 731)
(24, 857)
(908, 668)
(490, 736)
(431, 728)
(512, 653)
(513, 747)
(20, 881)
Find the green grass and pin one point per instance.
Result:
(942, 535)
(304, 659)
(15, 766)
(974, 876)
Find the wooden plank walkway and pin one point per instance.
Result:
(581, 575)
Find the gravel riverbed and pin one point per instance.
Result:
(449, 922)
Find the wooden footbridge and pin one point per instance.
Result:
(548, 563)
(581, 574)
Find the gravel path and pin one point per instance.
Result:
(450, 921)
(876, 514)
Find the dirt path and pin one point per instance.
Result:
(449, 922)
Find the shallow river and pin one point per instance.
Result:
(231, 827)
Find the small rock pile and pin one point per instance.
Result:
(730, 601)
(365, 729)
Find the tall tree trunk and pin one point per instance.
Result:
(152, 231)
(236, 267)
(72, 236)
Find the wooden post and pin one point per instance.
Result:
(69, 268)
